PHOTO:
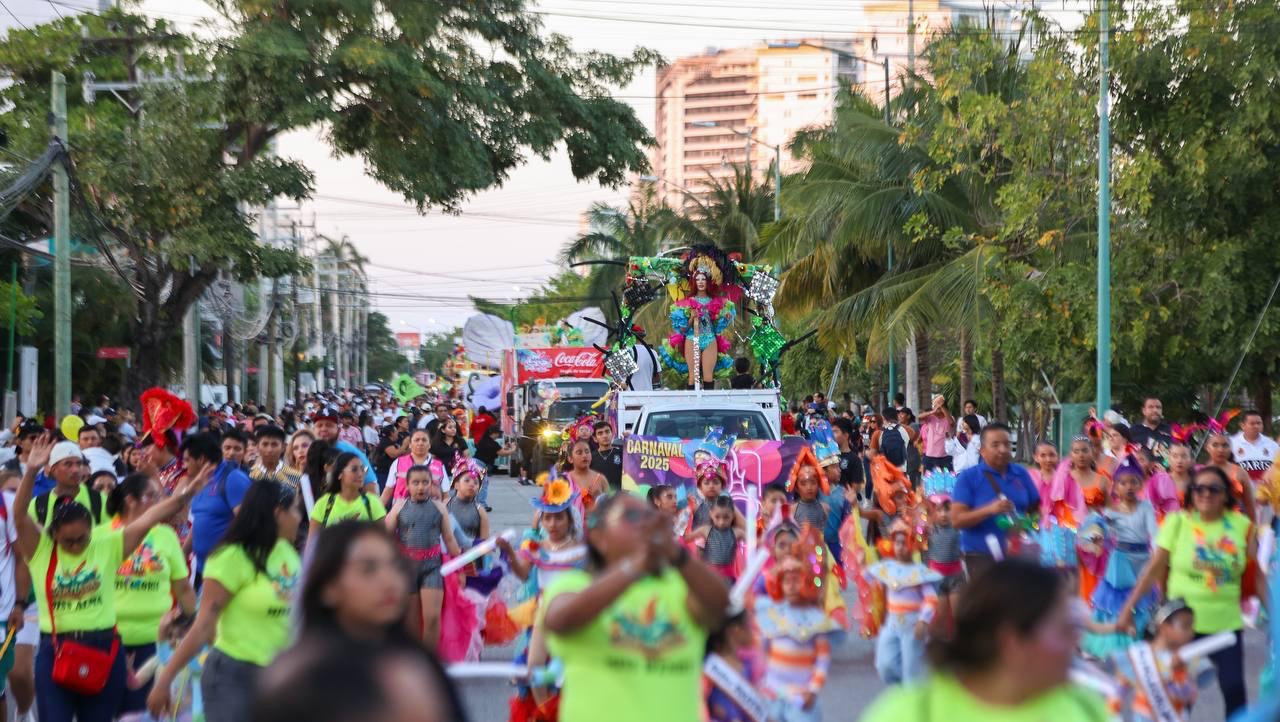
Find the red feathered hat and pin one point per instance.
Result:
(161, 412)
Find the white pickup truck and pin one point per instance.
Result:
(746, 413)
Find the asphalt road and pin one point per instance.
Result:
(852, 684)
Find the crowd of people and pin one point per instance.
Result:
(331, 561)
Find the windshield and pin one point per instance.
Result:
(695, 423)
(569, 409)
(582, 389)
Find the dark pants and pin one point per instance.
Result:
(55, 704)
(135, 700)
(227, 686)
(1230, 665)
(937, 462)
(976, 563)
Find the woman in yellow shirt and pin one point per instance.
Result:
(345, 497)
(148, 581)
(245, 605)
(74, 569)
(1009, 660)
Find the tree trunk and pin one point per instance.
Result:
(1261, 392)
(999, 412)
(966, 367)
(924, 372)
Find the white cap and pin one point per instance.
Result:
(64, 450)
(94, 420)
(99, 459)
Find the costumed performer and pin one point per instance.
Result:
(703, 310)
(912, 600)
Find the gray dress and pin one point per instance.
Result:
(418, 529)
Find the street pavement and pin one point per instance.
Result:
(852, 684)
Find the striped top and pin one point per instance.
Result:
(944, 545)
(812, 513)
(721, 546)
(797, 647)
(909, 587)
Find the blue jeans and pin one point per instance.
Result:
(899, 655)
(483, 496)
(55, 704)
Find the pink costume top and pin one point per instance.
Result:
(1065, 494)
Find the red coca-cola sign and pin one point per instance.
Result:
(550, 363)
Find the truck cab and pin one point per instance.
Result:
(746, 414)
(577, 395)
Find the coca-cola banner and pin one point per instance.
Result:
(550, 363)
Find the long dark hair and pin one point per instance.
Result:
(333, 484)
(332, 549)
(254, 526)
(1011, 593)
(439, 439)
(320, 454)
(1189, 502)
(133, 487)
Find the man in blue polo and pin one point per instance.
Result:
(326, 426)
(994, 488)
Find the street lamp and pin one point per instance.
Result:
(777, 163)
(660, 179)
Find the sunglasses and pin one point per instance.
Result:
(1210, 489)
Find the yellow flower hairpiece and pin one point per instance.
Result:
(557, 492)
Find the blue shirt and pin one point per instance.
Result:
(370, 476)
(839, 511)
(213, 509)
(973, 489)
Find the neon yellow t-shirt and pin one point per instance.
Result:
(254, 627)
(641, 659)
(1206, 563)
(942, 699)
(83, 585)
(82, 497)
(143, 584)
(344, 510)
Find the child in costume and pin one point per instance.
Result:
(729, 670)
(470, 606)
(1155, 683)
(796, 632)
(912, 601)
(548, 550)
(943, 551)
(1118, 542)
(421, 525)
(807, 482)
(721, 538)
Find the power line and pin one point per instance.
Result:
(12, 15)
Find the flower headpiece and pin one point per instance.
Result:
(806, 459)
(164, 412)
(938, 485)
(808, 558)
(582, 427)
(468, 465)
(557, 495)
(824, 443)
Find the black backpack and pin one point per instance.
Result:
(893, 446)
(42, 507)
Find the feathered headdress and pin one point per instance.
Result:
(1182, 434)
(938, 485)
(808, 559)
(1219, 425)
(719, 268)
(162, 412)
(582, 428)
(806, 459)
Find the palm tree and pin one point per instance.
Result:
(731, 213)
(616, 234)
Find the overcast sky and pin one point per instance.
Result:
(509, 246)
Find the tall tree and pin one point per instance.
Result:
(440, 99)
(731, 212)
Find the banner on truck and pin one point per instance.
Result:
(554, 363)
(652, 460)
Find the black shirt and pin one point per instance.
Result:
(1158, 440)
(487, 450)
(850, 467)
(609, 464)
(742, 381)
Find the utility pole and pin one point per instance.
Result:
(1104, 214)
(911, 35)
(62, 255)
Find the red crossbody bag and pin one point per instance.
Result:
(77, 667)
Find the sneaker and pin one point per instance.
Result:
(488, 508)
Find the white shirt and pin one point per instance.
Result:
(1254, 457)
(8, 548)
(370, 436)
(964, 457)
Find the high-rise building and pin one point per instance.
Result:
(886, 23)
(708, 104)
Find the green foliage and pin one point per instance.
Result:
(437, 347)
(563, 294)
(385, 359)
